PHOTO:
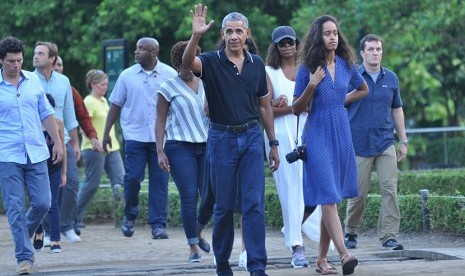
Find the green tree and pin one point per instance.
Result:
(57, 21)
(423, 45)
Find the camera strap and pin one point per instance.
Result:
(306, 126)
(297, 132)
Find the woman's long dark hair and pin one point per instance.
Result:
(313, 52)
(273, 58)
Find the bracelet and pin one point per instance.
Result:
(404, 142)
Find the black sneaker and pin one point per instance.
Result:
(350, 241)
(55, 248)
(258, 273)
(203, 244)
(38, 243)
(392, 243)
(128, 228)
(195, 258)
(159, 234)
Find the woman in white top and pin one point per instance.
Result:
(281, 71)
(183, 125)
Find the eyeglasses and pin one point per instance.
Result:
(285, 42)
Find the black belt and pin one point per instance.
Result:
(234, 129)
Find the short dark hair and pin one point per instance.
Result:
(177, 51)
(369, 38)
(11, 45)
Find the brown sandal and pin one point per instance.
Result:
(348, 262)
(324, 268)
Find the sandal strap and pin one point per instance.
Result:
(320, 261)
(345, 257)
(325, 267)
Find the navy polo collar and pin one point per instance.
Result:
(222, 55)
(362, 70)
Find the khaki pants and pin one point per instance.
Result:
(385, 165)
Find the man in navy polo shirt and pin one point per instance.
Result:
(237, 95)
(372, 121)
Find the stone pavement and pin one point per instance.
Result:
(104, 251)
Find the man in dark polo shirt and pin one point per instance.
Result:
(237, 95)
(372, 121)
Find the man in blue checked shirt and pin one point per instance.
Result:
(134, 97)
(23, 150)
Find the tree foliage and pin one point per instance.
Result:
(423, 38)
(422, 44)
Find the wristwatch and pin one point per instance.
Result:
(405, 142)
(274, 143)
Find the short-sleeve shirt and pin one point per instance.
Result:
(186, 119)
(22, 109)
(135, 92)
(233, 96)
(98, 112)
(371, 121)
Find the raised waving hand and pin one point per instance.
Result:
(199, 16)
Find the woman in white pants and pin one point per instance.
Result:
(281, 72)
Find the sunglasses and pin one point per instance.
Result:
(285, 42)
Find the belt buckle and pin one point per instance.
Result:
(236, 129)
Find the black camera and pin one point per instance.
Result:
(296, 154)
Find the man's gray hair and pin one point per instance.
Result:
(235, 16)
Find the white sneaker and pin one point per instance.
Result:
(243, 260)
(71, 236)
(47, 242)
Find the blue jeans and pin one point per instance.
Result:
(207, 199)
(237, 161)
(13, 178)
(187, 163)
(54, 211)
(137, 155)
(96, 163)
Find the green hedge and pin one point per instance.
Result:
(450, 182)
(446, 213)
(446, 204)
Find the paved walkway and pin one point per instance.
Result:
(104, 251)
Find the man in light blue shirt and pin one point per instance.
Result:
(134, 97)
(23, 150)
(58, 85)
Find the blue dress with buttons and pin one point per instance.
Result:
(330, 172)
